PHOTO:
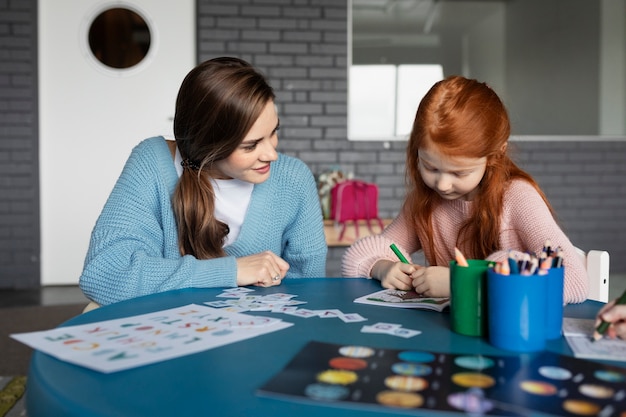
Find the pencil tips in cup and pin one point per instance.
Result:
(460, 258)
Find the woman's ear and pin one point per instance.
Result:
(503, 147)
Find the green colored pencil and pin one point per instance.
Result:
(602, 327)
(399, 254)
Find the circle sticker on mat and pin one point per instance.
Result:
(325, 392)
(471, 379)
(412, 369)
(609, 376)
(405, 383)
(356, 351)
(555, 372)
(477, 363)
(337, 376)
(400, 399)
(583, 408)
(596, 391)
(472, 401)
(538, 388)
(350, 364)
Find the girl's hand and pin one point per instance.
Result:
(432, 281)
(394, 275)
(263, 269)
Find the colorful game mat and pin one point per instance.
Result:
(343, 375)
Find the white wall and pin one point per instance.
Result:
(91, 117)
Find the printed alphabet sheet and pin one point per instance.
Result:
(115, 345)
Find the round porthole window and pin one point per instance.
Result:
(119, 39)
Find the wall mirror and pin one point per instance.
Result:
(119, 38)
(559, 65)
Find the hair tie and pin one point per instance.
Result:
(189, 164)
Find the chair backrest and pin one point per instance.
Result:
(597, 263)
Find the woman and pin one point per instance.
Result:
(217, 207)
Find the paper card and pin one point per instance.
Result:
(382, 327)
(238, 290)
(279, 296)
(302, 312)
(406, 333)
(234, 295)
(241, 290)
(390, 329)
(329, 314)
(250, 298)
(235, 309)
(265, 307)
(352, 317)
(284, 309)
(294, 303)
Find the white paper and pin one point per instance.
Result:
(115, 345)
(579, 332)
(403, 299)
(578, 327)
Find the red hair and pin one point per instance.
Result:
(463, 117)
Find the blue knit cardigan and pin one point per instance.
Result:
(134, 245)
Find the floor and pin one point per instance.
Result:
(56, 295)
(49, 295)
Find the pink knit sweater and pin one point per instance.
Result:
(525, 226)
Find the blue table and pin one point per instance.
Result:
(223, 381)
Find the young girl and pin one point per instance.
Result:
(217, 207)
(463, 191)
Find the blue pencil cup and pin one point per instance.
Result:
(517, 311)
(554, 303)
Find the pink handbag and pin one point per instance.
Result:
(354, 200)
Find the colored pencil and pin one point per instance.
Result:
(505, 269)
(558, 258)
(399, 254)
(460, 259)
(547, 247)
(604, 325)
(512, 260)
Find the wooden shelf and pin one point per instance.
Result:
(332, 231)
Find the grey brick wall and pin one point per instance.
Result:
(19, 175)
(585, 182)
(301, 45)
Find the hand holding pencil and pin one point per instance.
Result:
(393, 274)
(612, 319)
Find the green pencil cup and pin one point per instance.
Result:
(468, 297)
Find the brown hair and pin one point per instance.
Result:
(217, 104)
(463, 117)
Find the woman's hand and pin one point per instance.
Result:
(616, 315)
(432, 281)
(264, 269)
(394, 275)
